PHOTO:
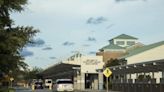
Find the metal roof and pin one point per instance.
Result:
(146, 67)
(59, 71)
(112, 46)
(124, 36)
(142, 49)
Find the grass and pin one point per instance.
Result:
(7, 90)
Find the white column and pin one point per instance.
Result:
(96, 82)
(82, 81)
(162, 74)
(78, 84)
(101, 80)
(162, 77)
(153, 75)
(75, 81)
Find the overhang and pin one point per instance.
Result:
(59, 70)
(144, 67)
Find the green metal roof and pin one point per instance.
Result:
(124, 36)
(142, 49)
(112, 46)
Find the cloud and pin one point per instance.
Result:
(36, 43)
(47, 48)
(86, 45)
(26, 53)
(67, 43)
(52, 57)
(92, 52)
(91, 39)
(97, 20)
(75, 51)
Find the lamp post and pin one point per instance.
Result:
(11, 80)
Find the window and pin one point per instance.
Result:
(130, 43)
(120, 42)
(48, 81)
(65, 82)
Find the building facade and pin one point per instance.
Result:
(144, 67)
(118, 46)
(83, 70)
(87, 76)
(152, 52)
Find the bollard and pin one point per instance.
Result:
(33, 87)
(50, 87)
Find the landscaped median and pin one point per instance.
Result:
(7, 90)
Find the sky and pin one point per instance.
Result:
(67, 26)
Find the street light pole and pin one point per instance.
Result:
(11, 80)
(107, 84)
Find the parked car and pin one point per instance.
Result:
(63, 85)
(38, 85)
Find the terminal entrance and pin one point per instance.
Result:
(91, 81)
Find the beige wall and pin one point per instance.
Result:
(89, 64)
(153, 54)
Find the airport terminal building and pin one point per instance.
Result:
(143, 70)
(83, 70)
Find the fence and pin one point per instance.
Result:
(126, 87)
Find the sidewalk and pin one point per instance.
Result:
(89, 90)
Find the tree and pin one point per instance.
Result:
(112, 62)
(32, 74)
(13, 38)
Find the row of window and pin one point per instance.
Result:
(130, 43)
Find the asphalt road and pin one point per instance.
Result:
(30, 90)
(47, 90)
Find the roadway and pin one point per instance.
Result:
(47, 90)
(30, 90)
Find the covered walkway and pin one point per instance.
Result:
(140, 77)
(146, 67)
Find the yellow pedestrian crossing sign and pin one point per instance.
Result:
(107, 72)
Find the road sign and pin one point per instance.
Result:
(11, 79)
(107, 72)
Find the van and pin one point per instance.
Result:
(48, 83)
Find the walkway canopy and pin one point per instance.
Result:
(146, 67)
(61, 70)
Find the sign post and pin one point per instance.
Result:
(107, 72)
(11, 80)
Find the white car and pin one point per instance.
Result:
(48, 83)
(63, 85)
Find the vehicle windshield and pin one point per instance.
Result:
(48, 81)
(64, 82)
(38, 83)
